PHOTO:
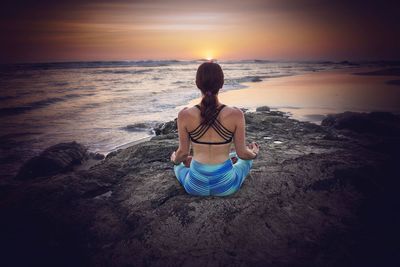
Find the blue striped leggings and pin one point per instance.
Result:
(213, 179)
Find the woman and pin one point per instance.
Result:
(211, 127)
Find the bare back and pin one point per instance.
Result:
(207, 153)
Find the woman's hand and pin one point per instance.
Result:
(173, 157)
(186, 161)
(254, 147)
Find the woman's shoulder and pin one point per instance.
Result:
(193, 111)
(186, 112)
(234, 111)
(183, 112)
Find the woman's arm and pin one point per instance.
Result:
(239, 138)
(184, 143)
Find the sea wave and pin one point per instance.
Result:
(8, 111)
(121, 71)
(93, 64)
(139, 127)
(7, 97)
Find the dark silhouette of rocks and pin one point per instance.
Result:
(58, 158)
(96, 156)
(166, 128)
(316, 196)
(393, 82)
(263, 108)
(383, 123)
(382, 72)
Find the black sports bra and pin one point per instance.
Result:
(197, 133)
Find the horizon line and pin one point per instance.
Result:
(204, 59)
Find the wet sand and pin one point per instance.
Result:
(309, 97)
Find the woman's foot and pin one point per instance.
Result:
(234, 160)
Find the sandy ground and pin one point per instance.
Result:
(308, 97)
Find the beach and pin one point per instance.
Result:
(312, 96)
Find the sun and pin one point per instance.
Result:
(209, 55)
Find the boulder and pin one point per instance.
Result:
(55, 159)
(263, 108)
(166, 127)
(96, 156)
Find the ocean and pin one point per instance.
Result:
(104, 105)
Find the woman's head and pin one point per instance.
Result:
(209, 79)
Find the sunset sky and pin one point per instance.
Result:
(43, 30)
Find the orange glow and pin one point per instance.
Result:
(209, 54)
(175, 29)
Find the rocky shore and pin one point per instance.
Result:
(317, 196)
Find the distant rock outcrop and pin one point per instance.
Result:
(263, 108)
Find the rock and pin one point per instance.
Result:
(382, 72)
(263, 108)
(96, 156)
(165, 136)
(140, 126)
(112, 154)
(278, 113)
(256, 79)
(383, 123)
(166, 128)
(55, 159)
(315, 199)
(393, 82)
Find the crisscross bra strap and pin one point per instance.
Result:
(200, 130)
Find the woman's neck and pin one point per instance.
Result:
(217, 100)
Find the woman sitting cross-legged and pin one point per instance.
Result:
(211, 127)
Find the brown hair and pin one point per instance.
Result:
(209, 79)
